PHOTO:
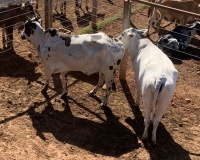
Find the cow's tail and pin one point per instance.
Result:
(159, 83)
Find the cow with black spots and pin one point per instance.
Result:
(87, 53)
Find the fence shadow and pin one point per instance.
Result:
(168, 148)
(64, 21)
(85, 20)
(110, 138)
(13, 65)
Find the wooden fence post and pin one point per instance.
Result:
(48, 24)
(48, 13)
(94, 14)
(126, 24)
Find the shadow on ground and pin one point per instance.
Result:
(167, 148)
(13, 65)
(109, 138)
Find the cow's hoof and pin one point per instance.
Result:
(64, 96)
(102, 106)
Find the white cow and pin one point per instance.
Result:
(155, 77)
(88, 53)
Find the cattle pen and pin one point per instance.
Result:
(36, 126)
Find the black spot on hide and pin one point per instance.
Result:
(119, 61)
(110, 36)
(49, 49)
(52, 32)
(29, 28)
(48, 55)
(111, 67)
(66, 38)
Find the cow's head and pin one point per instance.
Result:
(196, 25)
(32, 29)
(131, 35)
(167, 42)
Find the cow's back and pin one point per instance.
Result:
(87, 53)
(151, 63)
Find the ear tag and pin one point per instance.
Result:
(131, 35)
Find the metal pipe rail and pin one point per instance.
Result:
(168, 8)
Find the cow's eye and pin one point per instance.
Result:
(122, 34)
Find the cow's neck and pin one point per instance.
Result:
(38, 39)
(134, 50)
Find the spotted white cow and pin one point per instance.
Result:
(180, 37)
(88, 53)
(155, 77)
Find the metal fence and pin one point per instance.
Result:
(99, 12)
(193, 52)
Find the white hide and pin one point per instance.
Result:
(89, 53)
(155, 77)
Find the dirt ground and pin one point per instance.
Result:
(35, 126)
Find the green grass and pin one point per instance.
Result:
(106, 22)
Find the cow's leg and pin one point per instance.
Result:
(36, 7)
(47, 79)
(164, 99)
(61, 7)
(64, 84)
(108, 81)
(65, 7)
(147, 99)
(87, 8)
(80, 6)
(56, 5)
(99, 84)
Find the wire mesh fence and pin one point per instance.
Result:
(167, 27)
(107, 10)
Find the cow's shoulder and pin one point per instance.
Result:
(52, 31)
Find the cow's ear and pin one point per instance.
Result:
(142, 32)
(131, 35)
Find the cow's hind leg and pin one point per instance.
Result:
(99, 84)
(164, 99)
(109, 81)
(147, 99)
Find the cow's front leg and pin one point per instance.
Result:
(64, 84)
(47, 80)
